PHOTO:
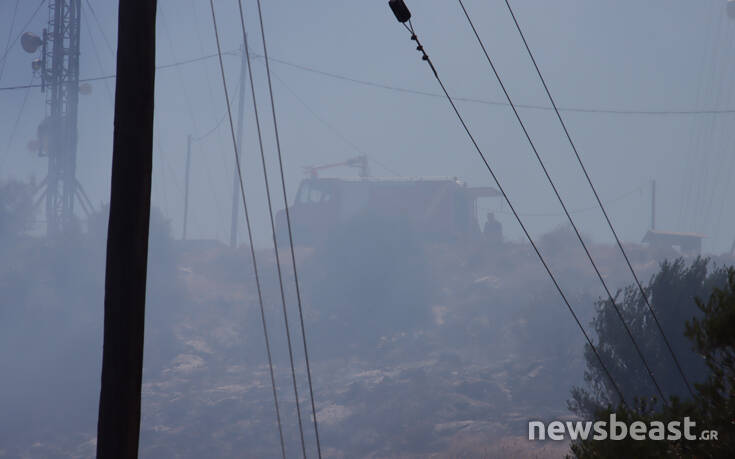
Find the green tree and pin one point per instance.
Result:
(673, 294)
(710, 334)
(714, 340)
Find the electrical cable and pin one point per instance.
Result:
(201, 49)
(161, 153)
(721, 143)
(99, 26)
(566, 211)
(389, 87)
(273, 232)
(96, 53)
(331, 127)
(211, 99)
(218, 123)
(113, 76)
(707, 157)
(250, 234)
(167, 165)
(288, 218)
(691, 161)
(466, 128)
(15, 125)
(194, 122)
(426, 93)
(8, 42)
(212, 130)
(9, 46)
(697, 171)
(187, 97)
(594, 191)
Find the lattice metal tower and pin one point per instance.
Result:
(57, 134)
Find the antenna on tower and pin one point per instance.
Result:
(58, 66)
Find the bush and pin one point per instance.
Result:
(709, 332)
(16, 208)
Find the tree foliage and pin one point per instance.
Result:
(673, 294)
(709, 332)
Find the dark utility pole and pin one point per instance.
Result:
(235, 180)
(118, 425)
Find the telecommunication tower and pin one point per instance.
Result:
(58, 66)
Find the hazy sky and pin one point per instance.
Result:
(624, 55)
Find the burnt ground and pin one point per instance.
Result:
(426, 351)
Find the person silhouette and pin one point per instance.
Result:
(493, 229)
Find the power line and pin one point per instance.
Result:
(394, 88)
(194, 123)
(212, 130)
(10, 44)
(162, 154)
(96, 53)
(426, 58)
(211, 99)
(707, 142)
(717, 138)
(15, 124)
(250, 234)
(201, 49)
(331, 127)
(288, 217)
(273, 231)
(213, 110)
(176, 65)
(113, 76)
(563, 205)
(698, 171)
(389, 87)
(81, 80)
(187, 97)
(101, 29)
(702, 90)
(594, 191)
